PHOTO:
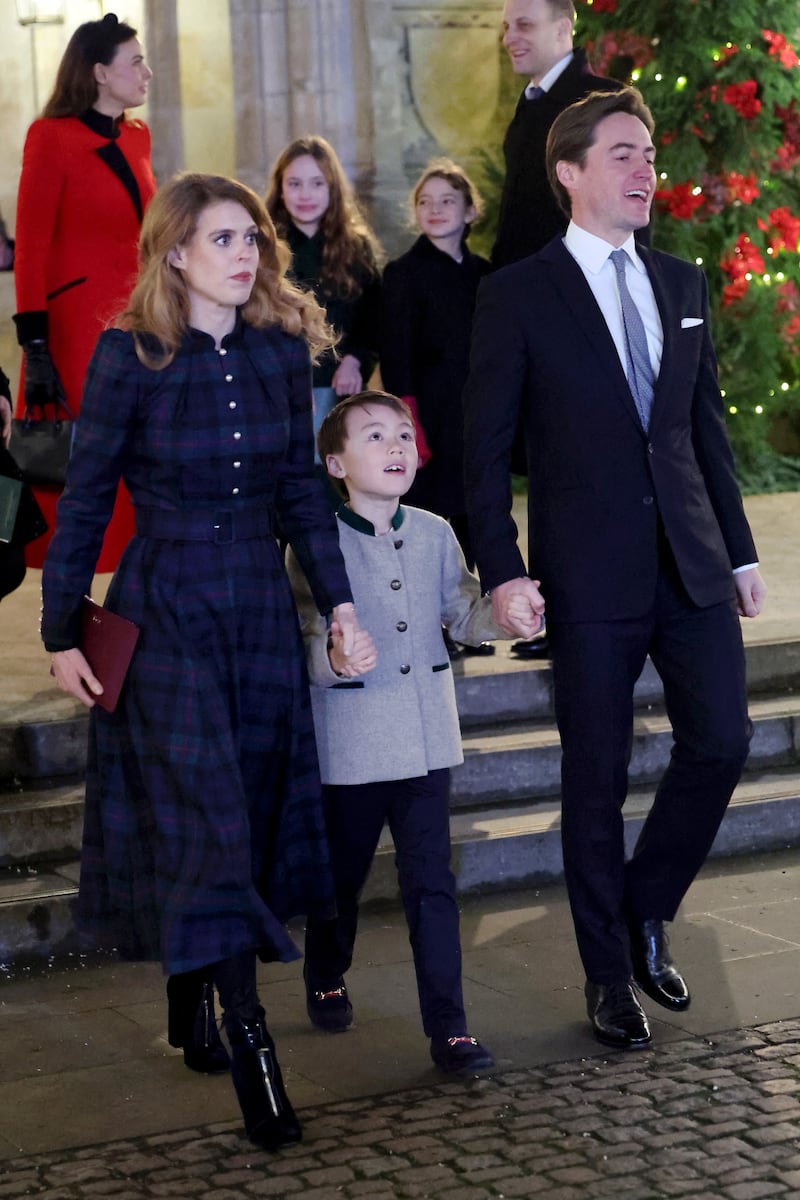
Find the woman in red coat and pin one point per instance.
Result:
(86, 181)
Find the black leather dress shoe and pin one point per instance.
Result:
(617, 1017)
(653, 968)
(538, 647)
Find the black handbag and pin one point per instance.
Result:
(30, 522)
(41, 447)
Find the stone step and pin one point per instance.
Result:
(37, 914)
(503, 688)
(523, 760)
(47, 738)
(500, 848)
(42, 826)
(511, 846)
(501, 765)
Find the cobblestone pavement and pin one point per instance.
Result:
(704, 1118)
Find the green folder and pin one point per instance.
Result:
(10, 492)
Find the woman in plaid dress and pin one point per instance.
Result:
(203, 830)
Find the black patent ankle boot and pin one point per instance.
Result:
(269, 1118)
(192, 1024)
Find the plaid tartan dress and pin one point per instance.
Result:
(203, 828)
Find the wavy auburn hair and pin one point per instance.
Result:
(159, 308)
(350, 248)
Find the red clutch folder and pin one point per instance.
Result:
(108, 642)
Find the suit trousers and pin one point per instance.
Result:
(699, 656)
(417, 811)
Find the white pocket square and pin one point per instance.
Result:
(690, 322)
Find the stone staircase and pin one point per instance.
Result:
(505, 812)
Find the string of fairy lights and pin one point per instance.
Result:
(759, 278)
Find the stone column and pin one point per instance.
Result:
(164, 106)
(382, 97)
(303, 67)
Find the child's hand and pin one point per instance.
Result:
(519, 611)
(362, 657)
(347, 377)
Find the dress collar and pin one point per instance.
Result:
(361, 524)
(201, 339)
(102, 125)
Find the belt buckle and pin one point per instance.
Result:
(223, 528)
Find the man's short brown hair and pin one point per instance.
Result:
(574, 130)
(332, 433)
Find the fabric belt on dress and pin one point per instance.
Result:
(223, 525)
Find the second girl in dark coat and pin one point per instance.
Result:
(428, 300)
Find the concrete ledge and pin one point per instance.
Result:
(521, 846)
(41, 826)
(505, 688)
(525, 762)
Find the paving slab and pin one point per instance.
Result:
(94, 1103)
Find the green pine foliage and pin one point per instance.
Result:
(722, 79)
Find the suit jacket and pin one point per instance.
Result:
(598, 484)
(529, 212)
(428, 303)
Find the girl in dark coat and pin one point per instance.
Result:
(335, 254)
(86, 181)
(428, 300)
(203, 829)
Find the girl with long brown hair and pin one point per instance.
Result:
(334, 253)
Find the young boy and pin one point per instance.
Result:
(387, 739)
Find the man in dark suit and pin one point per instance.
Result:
(537, 35)
(637, 539)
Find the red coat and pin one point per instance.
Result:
(78, 221)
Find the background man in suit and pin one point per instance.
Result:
(537, 35)
(636, 532)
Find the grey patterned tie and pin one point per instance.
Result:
(640, 371)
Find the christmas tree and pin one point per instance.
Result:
(721, 78)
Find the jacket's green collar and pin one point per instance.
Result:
(362, 524)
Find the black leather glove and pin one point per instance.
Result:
(42, 384)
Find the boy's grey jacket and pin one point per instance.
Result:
(399, 720)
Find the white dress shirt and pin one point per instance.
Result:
(549, 77)
(592, 254)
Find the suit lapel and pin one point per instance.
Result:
(569, 281)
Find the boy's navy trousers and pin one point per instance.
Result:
(417, 812)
